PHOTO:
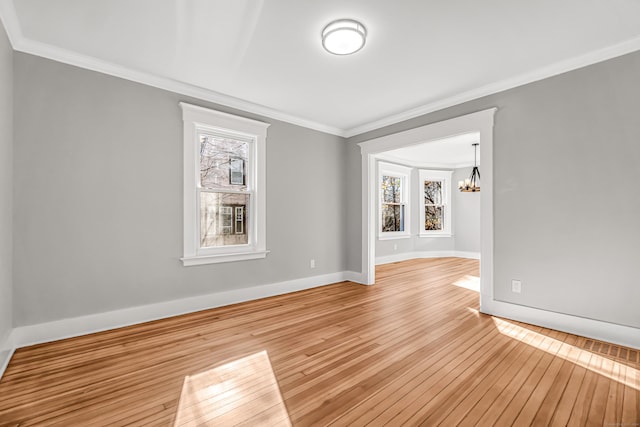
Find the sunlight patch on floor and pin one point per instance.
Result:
(244, 391)
(473, 311)
(468, 282)
(604, 366)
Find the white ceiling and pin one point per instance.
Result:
(266, 56)
(449, 153)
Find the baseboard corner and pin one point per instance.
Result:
(6, 352)
(626, 336)
(355, 277)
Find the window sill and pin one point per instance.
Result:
(394, 236)
(435, 235)
(218, 258)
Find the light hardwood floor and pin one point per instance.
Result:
(411, 350)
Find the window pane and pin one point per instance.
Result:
(433, 192)
(433, 218)
(391, 189)
(223, 219)
(223, 162)
(240, 220)
(392, 218)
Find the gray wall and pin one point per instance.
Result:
(98, 206)
(353, 186)
(6, 188)
(466, 214)
(566, 155)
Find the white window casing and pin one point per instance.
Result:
(445, 178)
(197, 121)
(404, 173)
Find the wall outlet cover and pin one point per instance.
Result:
(516, 286)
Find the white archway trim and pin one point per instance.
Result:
(480, 122)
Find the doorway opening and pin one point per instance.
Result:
(480, 123)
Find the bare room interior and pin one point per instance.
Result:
(286, 213)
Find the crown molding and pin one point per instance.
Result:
(44, 50)
(554, 69)
(10, 21)
(165, 83)
(20, 43)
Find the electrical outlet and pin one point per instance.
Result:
(516, 286)
(395, 246)
(312, 263)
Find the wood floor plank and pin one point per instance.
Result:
(597, 408)
(565, 406)
(400, 387)
(471, 409)
(631, 404)
(435, 360)
(529, 410)
(411, 350)
(613, 409)
(449, 397)
(551, 400)
(518, 400)
(583, 404)
(428, 383)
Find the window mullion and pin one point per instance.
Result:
(216, 190)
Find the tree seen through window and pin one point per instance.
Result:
(433, 207)
(392, 204)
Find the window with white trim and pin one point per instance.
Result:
(224, 187)
(435, 197)
(394, 206)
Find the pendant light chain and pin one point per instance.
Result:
(471, 184)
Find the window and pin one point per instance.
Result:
(435, 196)
(224, 187)
(392, 204)
(394, 201)
(240, 219)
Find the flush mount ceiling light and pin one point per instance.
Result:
(344, 37)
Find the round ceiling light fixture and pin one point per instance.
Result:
(344, 37)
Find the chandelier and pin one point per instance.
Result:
(472, 184)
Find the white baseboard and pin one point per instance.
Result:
(23, 336)
(388, 259)
(6, 351)
(596, 329)
(5, 357)
(355, 277)
(468, 255)
(51, 331)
